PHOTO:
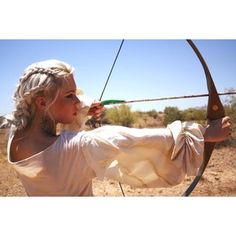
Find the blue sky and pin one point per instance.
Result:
(144, 69)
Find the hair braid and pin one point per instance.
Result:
(44, 77)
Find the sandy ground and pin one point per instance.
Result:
(219, 179)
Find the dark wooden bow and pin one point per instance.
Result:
(215, 110)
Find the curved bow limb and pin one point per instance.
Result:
(215, 110)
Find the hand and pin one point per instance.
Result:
(96, 110)
(218, 130)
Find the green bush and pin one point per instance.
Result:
(194, 114)
(171, 114)
(121, 115)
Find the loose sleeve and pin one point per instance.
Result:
(144, 157)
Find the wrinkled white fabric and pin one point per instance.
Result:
(59, 170)
(138, 157)
(145, 157)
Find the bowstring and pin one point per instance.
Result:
(112, 67)
(104, 88)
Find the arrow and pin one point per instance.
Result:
(117, 102)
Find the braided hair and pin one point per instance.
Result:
(41, 78)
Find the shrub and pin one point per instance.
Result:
(121, 115)
(171, 114)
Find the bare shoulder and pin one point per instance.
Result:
(24, 147)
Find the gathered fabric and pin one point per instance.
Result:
(157, 157)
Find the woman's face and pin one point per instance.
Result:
(65, 108)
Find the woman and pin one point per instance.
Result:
(49, 164)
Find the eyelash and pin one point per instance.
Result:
(70, 96)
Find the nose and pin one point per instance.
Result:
(77, 100)
(77, 103)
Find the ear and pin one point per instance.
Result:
(40, 102)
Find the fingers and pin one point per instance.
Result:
(227, 125)
(96, 110)
(218, 130)
(226, 120)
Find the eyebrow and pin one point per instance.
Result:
(70, 91)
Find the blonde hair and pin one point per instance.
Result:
(41, 78)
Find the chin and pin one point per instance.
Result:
(73, 125)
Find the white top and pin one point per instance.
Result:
(138, 157)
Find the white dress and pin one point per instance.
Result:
(139, 157)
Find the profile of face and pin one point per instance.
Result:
(46, 91)
(66, 105)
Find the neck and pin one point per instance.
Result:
(42, 125)
(48, 126)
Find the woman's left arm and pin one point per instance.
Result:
(159, 157)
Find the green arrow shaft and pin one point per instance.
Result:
(115, 101)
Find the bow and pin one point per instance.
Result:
(215, 110)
